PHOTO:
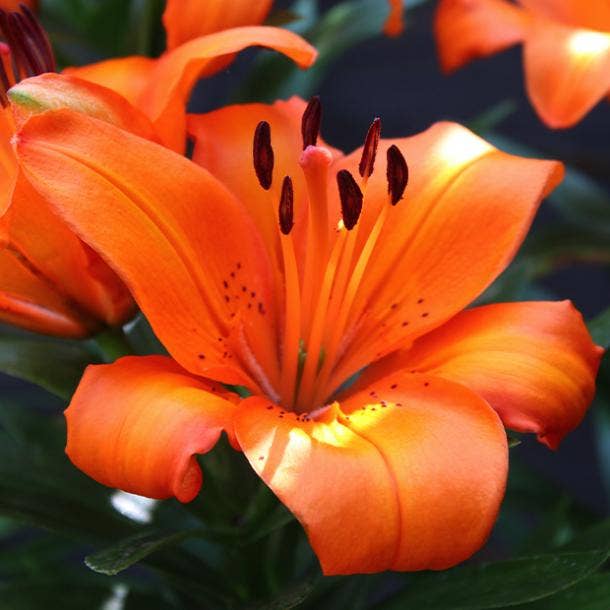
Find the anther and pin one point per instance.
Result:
(21, 37)
(263, 155)
(286, 210)
(310, 123)
(397, 173)
(351, 199)
(369, 152)
(41, 40)
(29, 46)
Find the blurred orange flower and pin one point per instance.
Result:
(566, 48)
(201, 41)
(394, 24)
(50, 281)
(14, 5)
(283, 266)
(188, 19)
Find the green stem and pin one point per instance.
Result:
(113, 344)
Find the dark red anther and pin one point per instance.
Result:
(19, 27)
(287, 206)
(351, 199)
(263, 155)
(39, 37)
(369, 152)
(310, 124)
(397, 173)
(29, 46)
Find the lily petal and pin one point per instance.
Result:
(13, 5)
(188, 19)
(567, 71)
(161, 88)
(128, 76)
(55, 273)
(593, 14)
(8, 162)
(29, 302)
(137, 424)
(186, 247)
(54, 91)
(394, 24)
(465, 212)
(535, 363)
(379, 486)
(467, 29)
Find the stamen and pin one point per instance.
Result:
(397, 173)
(292, 301)
(29, 49)
(310, 124)
(263, 155)
(315, 357)
(351, 199)
(286, 208)
(19, 30)
(340, 323)
(369, 152)
(41, 40)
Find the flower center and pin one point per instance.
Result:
(27, 51)
(320, 287)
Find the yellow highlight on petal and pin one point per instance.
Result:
(460, 147)
(588, 43)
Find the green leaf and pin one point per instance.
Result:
(53, 364)
(592, 593)
(343, 26)
(600, 328)
(596, 537)
(141, 337)
(128, 552)
(492, 117)
(185, 571)
(497, 585)
(39, 486)
(292, 598)
(26, 595)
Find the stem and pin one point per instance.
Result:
(113, 344)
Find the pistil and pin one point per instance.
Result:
(315, 162)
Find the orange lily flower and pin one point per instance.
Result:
(50, 281)
(394, 24)
(188, 19)
(281, 265)
(14, 5)
(566, 48)
(199, 45)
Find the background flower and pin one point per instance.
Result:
(566, 48)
